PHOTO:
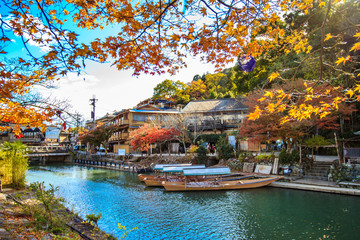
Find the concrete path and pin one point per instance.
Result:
(315, 182)
(321, 158)
(313, 185)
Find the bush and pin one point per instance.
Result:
(288, 158)
(224, 149)
(15, 164)
(264, 158)
(44, 212)
(193, 148)
(93, 218)
(201, 152)
(211, 138)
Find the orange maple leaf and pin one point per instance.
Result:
(273, 76)
(328, 36)
(356, 47)
(342, 60)
(256, 114)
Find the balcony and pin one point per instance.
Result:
(120, 122)
(118, 137)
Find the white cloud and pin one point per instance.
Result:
(116, 90)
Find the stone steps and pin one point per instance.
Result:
(319, 170)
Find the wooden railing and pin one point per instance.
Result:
(120, 136)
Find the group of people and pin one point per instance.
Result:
(211, 148)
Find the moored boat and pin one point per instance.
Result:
(156, 181)
(191, 184)
(179, 177)
(159, 168)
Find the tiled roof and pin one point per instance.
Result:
(215, 105)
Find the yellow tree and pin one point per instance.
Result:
(146, 36)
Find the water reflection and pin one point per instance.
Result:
(264, 213)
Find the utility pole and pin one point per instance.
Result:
(92, 102)
(77, 118)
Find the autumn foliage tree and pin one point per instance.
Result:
(143, 137)
(325, 55)
(156, 36)
(270, 126)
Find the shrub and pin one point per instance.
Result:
(193, 149)
(44, 213)
(201, 152)
(93, 218)
(264, 157)
(15, 164)
(288, 158)
(211, 138)
(224, 149)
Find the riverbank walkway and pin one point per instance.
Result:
(316, 185)
(309, 184)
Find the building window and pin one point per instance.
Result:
(140, 118)
(151, 117)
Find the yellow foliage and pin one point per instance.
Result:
(355, 47)
(268, 94)
(274, 76)
(328, 36)
(256, 114)
(341, 60)
(321, 4)
(350, 92)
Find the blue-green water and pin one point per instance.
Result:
(264, 213)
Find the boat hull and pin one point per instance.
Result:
(142, 177)
(211, 186)
(156, 181)
(152, 182)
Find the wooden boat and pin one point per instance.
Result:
(190, 185)
(159, 168)
(179, 177)
(156, 181)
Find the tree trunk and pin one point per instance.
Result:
(184, 145)
(337, 149)
(300, 154)
(169, 148)
(312, 153)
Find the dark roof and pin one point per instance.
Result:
(216, 105)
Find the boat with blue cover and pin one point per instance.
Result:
(191, 181)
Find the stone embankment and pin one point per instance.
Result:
(145, 164)
(134, 164)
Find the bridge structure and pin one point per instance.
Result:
(48, 154)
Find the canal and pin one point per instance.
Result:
(264, 213)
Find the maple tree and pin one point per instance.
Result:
(323, 60)
(270, 126)
(143, 137)
(154, 37)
